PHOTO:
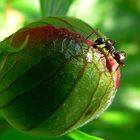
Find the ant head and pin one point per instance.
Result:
(120, 57)
(100, 41)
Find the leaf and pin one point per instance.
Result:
(78, 135)
(54, 7)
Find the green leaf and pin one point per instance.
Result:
(54, 7)
(79, 135)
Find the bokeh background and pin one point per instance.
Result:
(118, 20)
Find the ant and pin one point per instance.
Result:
(119, 56)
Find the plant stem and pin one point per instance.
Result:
(43, 7)
(79, 135)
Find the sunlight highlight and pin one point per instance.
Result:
(84, 10)
(116, 118)
(131, 98)
(13, 21)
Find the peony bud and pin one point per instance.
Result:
(52, 79)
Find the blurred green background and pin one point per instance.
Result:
(118, 20)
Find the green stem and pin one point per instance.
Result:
(79, 135)
(43, 7)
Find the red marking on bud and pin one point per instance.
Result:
(112, 68)
(117, 78)
(48, 33)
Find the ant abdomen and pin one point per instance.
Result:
(120, 57)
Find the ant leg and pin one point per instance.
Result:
(94, 31)
(116, 69)
(108, 53)
(106, 50)
(90, 35)
(103, 48)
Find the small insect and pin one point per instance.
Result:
(119, 56)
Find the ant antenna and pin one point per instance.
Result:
(94, 31)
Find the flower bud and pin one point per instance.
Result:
(51, 78)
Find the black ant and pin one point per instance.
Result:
(119, 56)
